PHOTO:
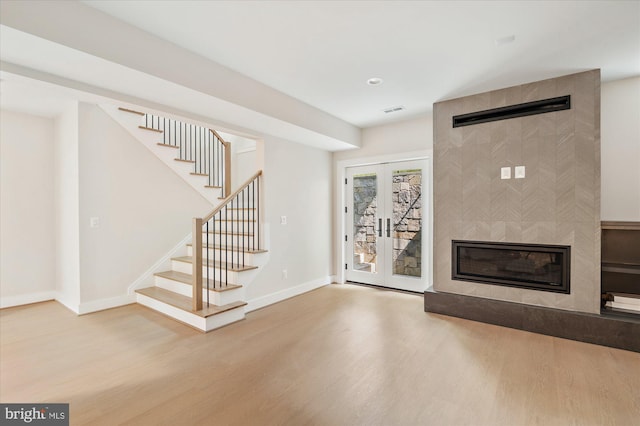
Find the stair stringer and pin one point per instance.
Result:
(167, 155)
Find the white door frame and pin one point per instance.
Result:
(340, 202)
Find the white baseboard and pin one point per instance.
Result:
(26, 299)
(72, 306)
(270, 299)
(102, 304)
(146, 279)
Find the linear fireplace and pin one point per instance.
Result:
(533, 266)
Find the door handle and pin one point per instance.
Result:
(388, 227)
(379, 227)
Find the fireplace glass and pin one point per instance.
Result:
(533, 266)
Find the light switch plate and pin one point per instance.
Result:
(519, 172)
(505, 173)
(94, 222)
(283, 220)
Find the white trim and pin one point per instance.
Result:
(102, 304)
(26, 299)
(270, 299)
(73, 307)
(146, 279)
(340, 201)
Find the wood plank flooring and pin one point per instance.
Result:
(340, 355)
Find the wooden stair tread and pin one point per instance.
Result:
(232, 248)
(184, 303)
(184, 161)
(199, 174)
(219, 265)
(241, 208)
(213, 186)
(188, 279)
(131, 111)
(150, 128)
(168, 146)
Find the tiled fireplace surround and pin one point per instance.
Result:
(558, 201)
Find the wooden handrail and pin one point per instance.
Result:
(226, 200)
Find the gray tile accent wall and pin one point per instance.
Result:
(558, 202)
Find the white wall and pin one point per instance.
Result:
(67, 234)
(407, 136)
(27, 263)
(244, 161)
(620, 127)
(144, 209)
(297, 184)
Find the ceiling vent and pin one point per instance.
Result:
(394, 109)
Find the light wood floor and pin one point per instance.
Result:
(340, 355)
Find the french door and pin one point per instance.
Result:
(386, 241)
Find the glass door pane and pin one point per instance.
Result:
(407, 222)
(365, 210)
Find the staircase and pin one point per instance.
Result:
(204, 288)
(199, 155)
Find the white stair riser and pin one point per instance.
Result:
(249, 241)
(220, 254)
(196, 321)
(216, 297)
(214, 273)
(225, 318)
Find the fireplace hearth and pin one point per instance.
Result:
(531, 266)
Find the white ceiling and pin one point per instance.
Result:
(322, 52)
(298, 69)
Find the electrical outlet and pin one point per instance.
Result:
(285, 274)
(519, 172)
(94, 222)
(283, 220)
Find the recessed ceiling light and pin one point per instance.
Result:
(505, 40)
(374, 81)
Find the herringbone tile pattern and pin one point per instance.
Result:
(558, 202)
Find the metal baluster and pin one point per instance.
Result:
(212, 159)
(207, 245)
(243, 226)
(253, 210)
(226, 247)
(258, 210)
(236, 226)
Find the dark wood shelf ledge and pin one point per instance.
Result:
(630, 226)
(612, 329)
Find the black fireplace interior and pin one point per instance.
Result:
(532, 266)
